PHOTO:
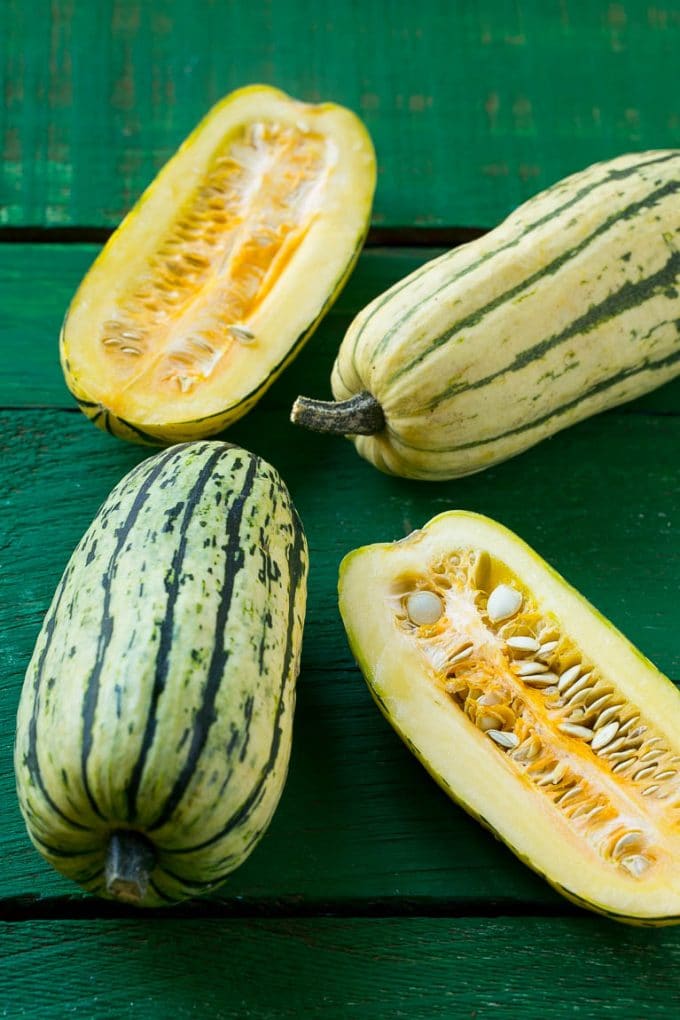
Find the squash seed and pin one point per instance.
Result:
(575, 791)
(581, 696)
(609, 713)
(573, 730)
(242, 334)
(492, 698)
(571, 690)
(636, 864)
(424, 607)
(503, 602)
(641, 774)
(605, 735)
(503, 738)
(568, 677)
(529, 668)
(523, 644)
(464, 653)
(625, 726)
(629, 839)
(595, 708)
(624, 765)
(545, 680)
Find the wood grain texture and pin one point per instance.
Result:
(359, 817)
(379, 968)
(472, 106)
(37, 282)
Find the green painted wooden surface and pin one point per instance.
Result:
(473, 106)
(336, 969)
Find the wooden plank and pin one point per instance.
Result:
(37, 281)
(359, 818)
(340, 968)
(472, 106)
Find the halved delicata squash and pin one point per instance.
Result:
(222, 269)
(527, 707)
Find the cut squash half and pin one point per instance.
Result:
(528, 708)
(222, 269)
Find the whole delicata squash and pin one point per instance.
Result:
(222, 269)
(569, 307)
(528, 708)
(155, 722)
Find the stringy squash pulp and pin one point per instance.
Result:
(222, 269)
(527, 706)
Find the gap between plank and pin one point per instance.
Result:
(378, 237)
(29, 908)
(623, 409)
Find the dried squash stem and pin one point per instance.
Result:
(361, 415)
(130, 859)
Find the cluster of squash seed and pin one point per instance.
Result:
(230, 240)
(560, 724)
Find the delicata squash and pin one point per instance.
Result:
(569, 307)
(527, 707)
(155, 722)
(222, 270)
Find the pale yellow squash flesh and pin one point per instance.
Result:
(574, 839)
(222, 269)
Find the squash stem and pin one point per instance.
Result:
(361, 415)
(130, 859)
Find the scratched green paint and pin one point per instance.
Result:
(338, 968)
(473, 106)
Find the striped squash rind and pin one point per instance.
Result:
(160, 694)
(569, 307)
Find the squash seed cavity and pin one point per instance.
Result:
(559, 722)
(225, 250)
